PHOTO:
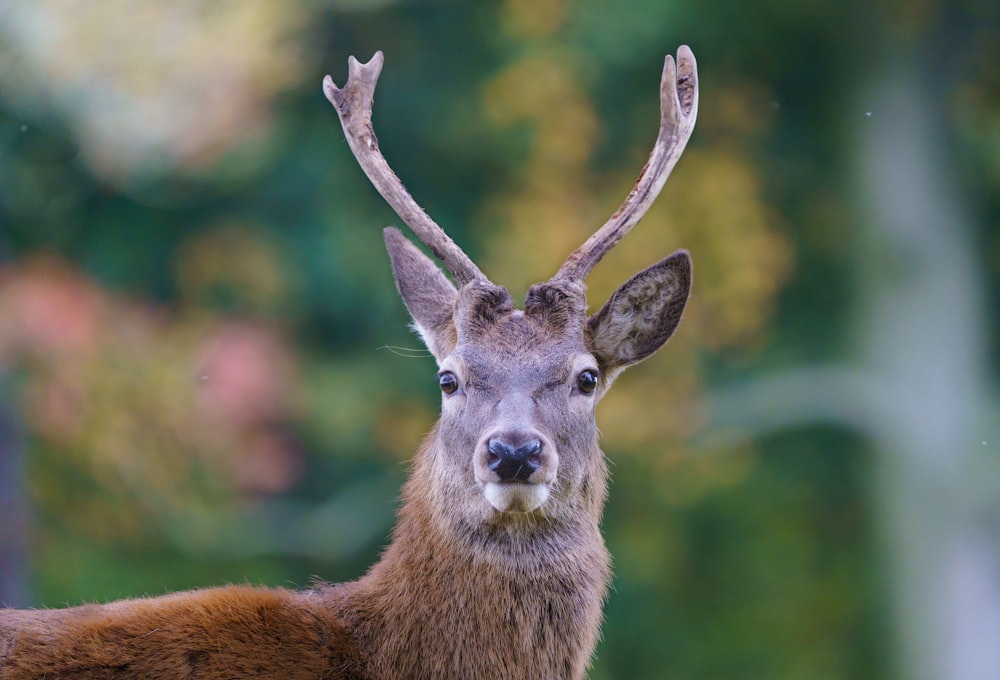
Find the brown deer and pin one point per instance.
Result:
(497, 567)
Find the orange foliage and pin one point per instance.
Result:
(162, 408)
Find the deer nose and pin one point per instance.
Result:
(513, 464)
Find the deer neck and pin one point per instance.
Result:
(528, 594)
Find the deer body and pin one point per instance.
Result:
(497, 567)
(430, 608)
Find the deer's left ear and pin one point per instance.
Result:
(428, 294)
(641, 315)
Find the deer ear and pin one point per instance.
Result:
(428, 294)
(641, 315)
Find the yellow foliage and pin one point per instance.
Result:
(545, 216)
(536, 18)
(542, 90)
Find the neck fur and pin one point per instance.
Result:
(514, 599)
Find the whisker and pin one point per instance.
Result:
(407, 352)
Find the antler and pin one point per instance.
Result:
(354, 106)
(678, 111)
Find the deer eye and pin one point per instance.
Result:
(448, 382)
(587, 381)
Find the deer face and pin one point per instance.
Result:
(519, 388)
(517, 414)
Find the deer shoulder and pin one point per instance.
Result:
(497, 567)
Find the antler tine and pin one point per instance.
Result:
(353, 103)
(678, 111)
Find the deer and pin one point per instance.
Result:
(496, 567)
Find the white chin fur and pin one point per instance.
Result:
(516, 497)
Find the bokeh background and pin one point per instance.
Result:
(206, 375)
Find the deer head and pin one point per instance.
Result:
(517, 438)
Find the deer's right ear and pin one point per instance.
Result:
(641, 315)
(428, 294)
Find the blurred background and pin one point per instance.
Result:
(206, 375)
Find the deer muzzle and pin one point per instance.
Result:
(514, 464)
(516, 468)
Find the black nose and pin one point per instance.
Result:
(514, 464)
